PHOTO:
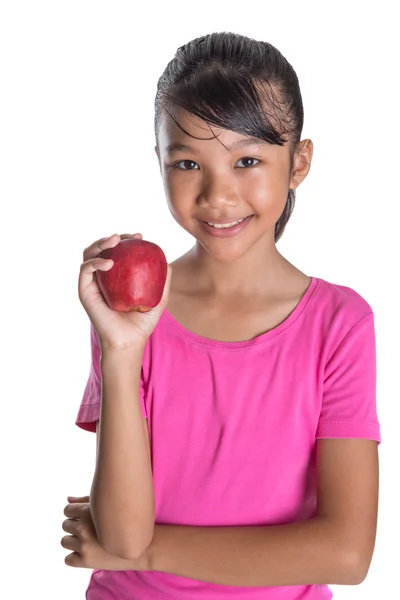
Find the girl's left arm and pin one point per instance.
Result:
(334, 547)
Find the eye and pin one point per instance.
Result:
(185, 161)
(249, 158)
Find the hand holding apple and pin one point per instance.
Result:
(123, 286)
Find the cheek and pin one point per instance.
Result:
(268, 190)
(176, 202)
(180, 193)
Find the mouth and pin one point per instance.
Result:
(227, 224)
(224, 230)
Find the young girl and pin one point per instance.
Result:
(236, 422)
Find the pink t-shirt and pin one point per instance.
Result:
(233, 427)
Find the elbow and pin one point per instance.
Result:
(360, 572)
(120, 539)
(120, 552)
(125, 549)
(354, 569)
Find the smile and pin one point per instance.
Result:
(225, 225)
(226, 229)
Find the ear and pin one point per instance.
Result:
(301, 162)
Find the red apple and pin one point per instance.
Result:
(136, 280)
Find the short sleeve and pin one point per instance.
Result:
(349, 393)
(89, 410)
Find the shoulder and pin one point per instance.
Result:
(342, 301)
(339, 312)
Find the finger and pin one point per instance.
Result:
(70, 542)
(78, 498)
(74, 510)
(88, 268)
(99, 245)
(73, 560)
(70, 526)
(103, 243)
(131, 235)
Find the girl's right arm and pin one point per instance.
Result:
(122, 494)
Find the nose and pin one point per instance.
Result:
(218, 193)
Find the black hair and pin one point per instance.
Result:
(235, 83)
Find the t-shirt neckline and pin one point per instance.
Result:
(260, 339)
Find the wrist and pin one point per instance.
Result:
(133, 351)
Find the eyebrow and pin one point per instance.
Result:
(250, 141)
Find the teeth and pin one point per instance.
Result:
(226, 225)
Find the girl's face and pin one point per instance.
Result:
(204, 181)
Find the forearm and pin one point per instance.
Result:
(122, 493)
(309, 552)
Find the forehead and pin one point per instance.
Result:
(173, 138)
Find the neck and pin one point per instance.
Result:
(260, 271)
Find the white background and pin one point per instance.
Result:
(78, 81)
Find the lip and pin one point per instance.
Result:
(225, 221)
(228, 232)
